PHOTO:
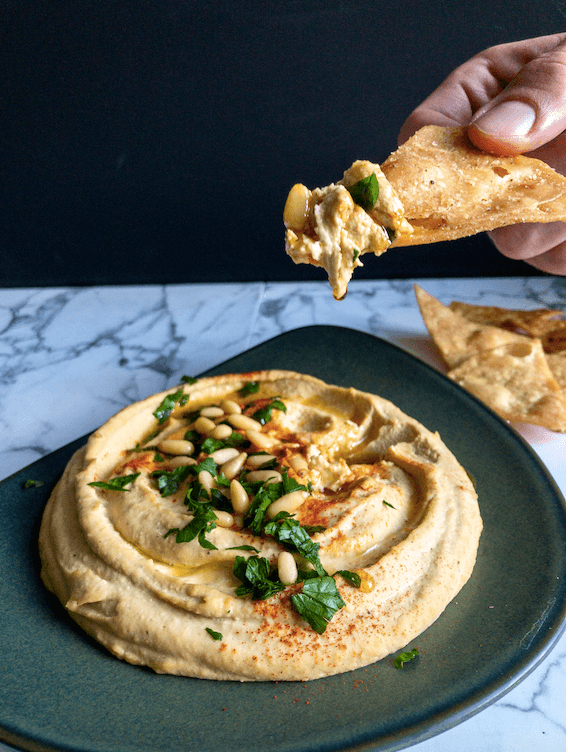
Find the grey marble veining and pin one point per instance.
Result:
(72, 357)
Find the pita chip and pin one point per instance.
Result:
(437, 186)
(535, 323)
(456, 338)
(450, 189)
(516, 382)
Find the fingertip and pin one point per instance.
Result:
(492, 144)
(505, 129)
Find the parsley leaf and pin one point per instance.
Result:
(169, 481)
(207, 464)
(33, 483)
(211, 445)
(188, 380)
(214, 635)
(292, 535)
(402, 658)
(289, 484)
(318, 602)
(365, 192)
(264, 497)
(258, 579)
(204, 520)
(116, 484)
(351, 577)
(249, 388)
(166, 407)
(264, 415)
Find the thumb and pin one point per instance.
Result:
(529, 112)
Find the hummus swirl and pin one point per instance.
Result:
(371, 489)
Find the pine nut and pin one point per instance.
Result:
(243, 421)
(179, 461)
(230, 407)
(297, 207)
(204, 425)
(287, 569)
(298, 463)
(266, 476)
(176, 446)
(224, 519)
(222, 431)
(260, 440)
(233, 467)
(239, 497)
(287, 503)
(257, 460)
(212, 412)
(220, 456)
(206, 479)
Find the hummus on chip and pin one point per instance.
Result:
(262, 526)
(437, 186)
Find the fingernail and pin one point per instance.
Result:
(511, 118)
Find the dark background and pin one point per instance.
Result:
(156, 141)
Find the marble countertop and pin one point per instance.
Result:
(72, 357)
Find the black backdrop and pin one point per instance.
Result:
(156, 141)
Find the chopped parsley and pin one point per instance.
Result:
(251, 387)
(388, 505)
(351, 577)
(356, 253)
(33, 483)
(258, 579)
(264, 414)
(169, 481)
(166, 407)
(403, 658)
(116, 484)
(293, 536)
(204, 520)
(188, 380)
(365, 192)
(214, 635)
(318, 602)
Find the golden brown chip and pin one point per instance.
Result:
(516, 382)
(554, 340)
(450, 190)
(456, 338)
(535, 323)
(557, 364)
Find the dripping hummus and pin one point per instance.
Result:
(323, 530)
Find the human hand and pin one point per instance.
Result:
(512, 98)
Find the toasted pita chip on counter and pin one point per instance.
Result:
(543, 323)
(437, 186)
(516, 382)
(536, 323)
(456, 338)
(510, 372)
(557, 364)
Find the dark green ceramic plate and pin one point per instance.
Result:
(59, 690)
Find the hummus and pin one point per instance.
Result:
(323, 530)
(333, 227)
